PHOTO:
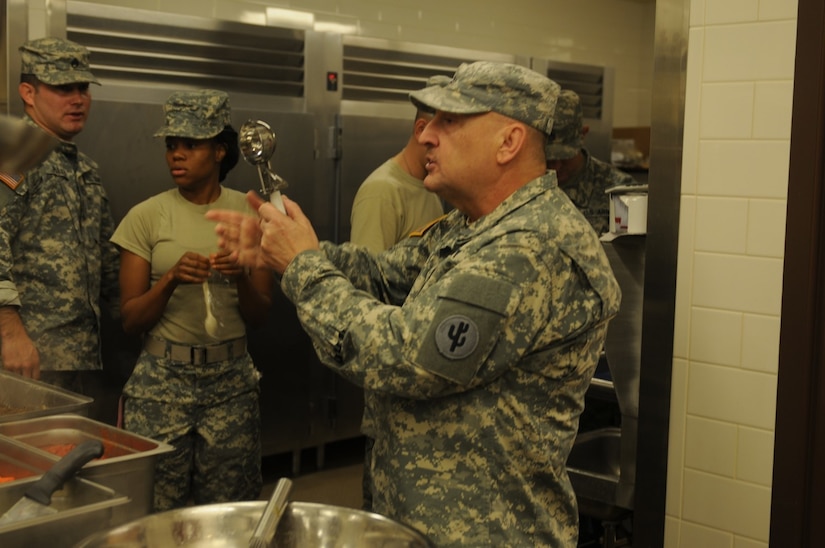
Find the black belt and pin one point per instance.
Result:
(197, 354)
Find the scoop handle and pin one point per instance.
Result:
(276, 200)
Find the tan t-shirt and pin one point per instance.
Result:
(389, 205)
(163, 228)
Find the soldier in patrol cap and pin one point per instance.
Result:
(390, 204)
(58, 270)
(581, 176)
(194, 385)
(478, 335)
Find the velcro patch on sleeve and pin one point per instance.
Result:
(467, 323)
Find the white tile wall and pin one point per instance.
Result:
(704, 537)
(777, 9)
(731, 395)
(727, 110)
(757, 51)
(722, 225)
(733, 282)
(710, 446)
(676, 444)
(766, 228)
(732, 229)
(726, 505)
(743, 168)
(754, 459)
(740, 542)
(731, 11)
(772, 110)
(760, 343)
(716, 336)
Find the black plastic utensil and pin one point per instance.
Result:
(37, 499)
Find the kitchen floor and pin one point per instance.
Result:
(337, 481)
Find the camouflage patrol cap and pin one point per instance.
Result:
(567, 139)
(438, 80)
(56, 62)
(200, 114)
(512, 90)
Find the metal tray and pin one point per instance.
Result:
(127, 465)
(22, 398)
(83, 508)
(20, 461)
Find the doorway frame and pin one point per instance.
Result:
(798, 487)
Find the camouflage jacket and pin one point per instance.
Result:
(587, 190)
(479, 341)
(56, 261)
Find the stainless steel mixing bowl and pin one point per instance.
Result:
(229, 525)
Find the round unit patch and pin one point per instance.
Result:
(456, 337)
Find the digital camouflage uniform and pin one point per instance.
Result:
(388, 206)
(478, 341)
(56, 261)
(586, 188)
(209, 412)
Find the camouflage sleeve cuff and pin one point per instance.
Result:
(306, 282)
(9, 295)
(304, 266)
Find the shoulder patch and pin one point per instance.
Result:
(467, 322)
(10, 181)
(417, 233)
(456, 337)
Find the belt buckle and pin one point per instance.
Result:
(198, 355)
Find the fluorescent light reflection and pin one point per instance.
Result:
(279, 17)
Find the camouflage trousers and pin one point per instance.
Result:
(210, 415)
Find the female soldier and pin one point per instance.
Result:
(194, 385)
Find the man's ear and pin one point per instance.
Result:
(513, 137)
(27, 91)
(220, 152)
(585, 130)
(418, 127)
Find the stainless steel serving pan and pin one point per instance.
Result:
(127, 466)
(22, 398)
(82, 508)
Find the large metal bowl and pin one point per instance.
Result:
(229, 525)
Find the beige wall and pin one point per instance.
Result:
(726, 349)
(616, 33)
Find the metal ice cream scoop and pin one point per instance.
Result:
(258, 142)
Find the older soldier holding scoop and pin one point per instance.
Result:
(478, 335)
